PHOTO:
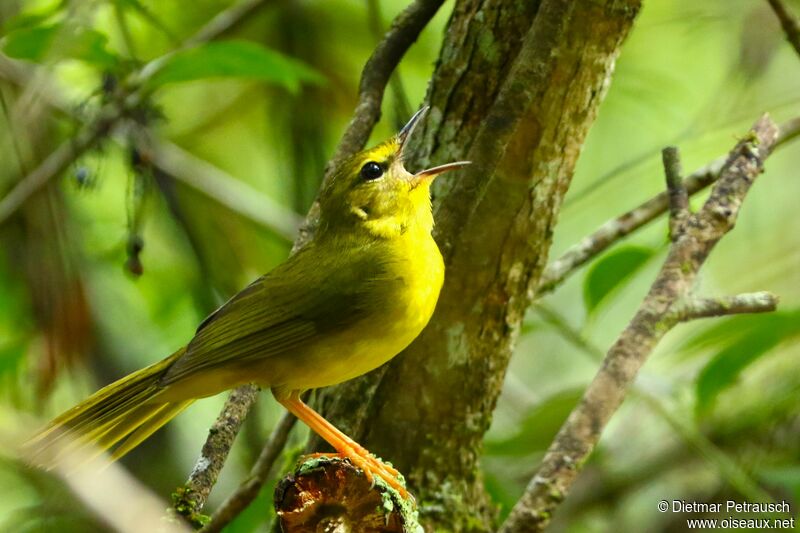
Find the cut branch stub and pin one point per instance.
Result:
(330, 494)
(678, 195)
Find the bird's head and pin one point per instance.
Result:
(373, 191)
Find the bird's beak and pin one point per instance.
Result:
(426, 176)
(405, 134)
(423, 176)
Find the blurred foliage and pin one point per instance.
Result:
(740, 341)
(609, 271)
(35, 43)
(234, 59)
(265, 103)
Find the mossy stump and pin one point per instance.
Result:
(330, 495)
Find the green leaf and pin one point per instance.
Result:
(30, 19)
(59, 41)
(241, 59)
(740, 351)
(539, 426)
(610, 271)
(30, 43)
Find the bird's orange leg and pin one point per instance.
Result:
(344, 445)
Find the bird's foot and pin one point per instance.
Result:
(372, 466)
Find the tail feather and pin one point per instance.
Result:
(119, 428)
(123, 413)
(161, 417)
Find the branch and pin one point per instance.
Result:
(234, 194)
(502, 244)
(403, 32)
(676, 191)
(225, 22)
(113, 495)
(189, 500)
(604, 489)
(330, 494)
(581, 431)
(752, 302)
(69, 151)
(790, 24)
(249, 489)
(402, 108)
(168, 159)
(617, 228)
(108, 117)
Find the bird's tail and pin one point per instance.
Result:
(118, 416)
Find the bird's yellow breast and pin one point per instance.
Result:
(395, 321)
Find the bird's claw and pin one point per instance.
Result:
(372, 467)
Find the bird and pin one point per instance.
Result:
(348, 301)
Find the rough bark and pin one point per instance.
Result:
(516, 89)
(668, 302)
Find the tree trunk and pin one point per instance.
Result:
(515, 90)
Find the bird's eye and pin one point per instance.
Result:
(371, 171)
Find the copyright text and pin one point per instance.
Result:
(732, 506)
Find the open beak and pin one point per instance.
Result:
(405, 134)
(423, 175)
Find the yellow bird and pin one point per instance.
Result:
(350, 300)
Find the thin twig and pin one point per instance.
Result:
(190, 499)
(404, 30)
(752, 302)
(790, 24)
(154, 21)
(113, 495)
(578, 436)
(53, 165)
(617, 228)
(402, 107)
(226, 22)
(259, 474)
(229, 192)
(125, 31)
(173, 161)
(222, 24)
(97, 129)
(377, 71)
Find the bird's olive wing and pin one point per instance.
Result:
(295, 304)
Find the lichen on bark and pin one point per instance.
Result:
(516, 88)
(330, 494)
